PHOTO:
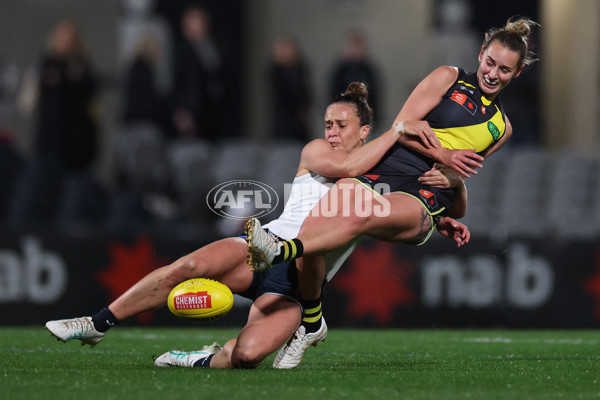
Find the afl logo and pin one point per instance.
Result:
(242, 199)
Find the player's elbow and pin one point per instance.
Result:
(351, 168)
(352, 172)
(456, 214)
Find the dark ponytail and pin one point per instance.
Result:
(357, 94)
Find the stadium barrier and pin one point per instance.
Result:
(509, 283)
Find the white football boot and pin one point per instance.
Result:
(76, 328)
(290, 355)
(262, 246)
(178, 358)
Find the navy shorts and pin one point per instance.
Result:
(281, 279)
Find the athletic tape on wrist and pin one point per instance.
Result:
(399, 127)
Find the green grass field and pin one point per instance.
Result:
(351, 364)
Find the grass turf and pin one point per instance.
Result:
(351, 364)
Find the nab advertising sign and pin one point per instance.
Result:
(517, 283)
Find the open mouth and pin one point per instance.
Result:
(490, 83)
(334, 143)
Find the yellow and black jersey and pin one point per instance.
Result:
(465, 119)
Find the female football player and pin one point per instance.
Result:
(464, 111)
(275, 313)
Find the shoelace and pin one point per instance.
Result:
(272, 242)
(296, 344)
(180, 354)
(80, 323)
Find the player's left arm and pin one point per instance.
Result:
(459, 206)
(441, 176)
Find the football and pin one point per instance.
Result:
(200, 299)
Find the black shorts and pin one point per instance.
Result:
(435, 201)
(281, 279)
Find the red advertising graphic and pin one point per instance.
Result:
(192, 301)
(376, 283)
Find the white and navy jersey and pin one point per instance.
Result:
(306, 192)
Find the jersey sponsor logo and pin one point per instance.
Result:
(459, 97)
(464, 101)
(466, 86)
(493, 130)
(426, 193)
(428, 197)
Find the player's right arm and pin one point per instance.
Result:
(320, 157)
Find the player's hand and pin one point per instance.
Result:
(442, 177)
(423, 131)
(436, 178)
(454, 230)
(463, 161)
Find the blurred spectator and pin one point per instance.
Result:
(200, 87)
(65, 97)
(290, 90)
(142, 99)
(146, 56)
(11, 164)
(354, 65)
(10, 80)
(455, 39)
(140, 27)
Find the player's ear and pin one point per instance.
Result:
(364, 132)
(480, 57)
(519, 71)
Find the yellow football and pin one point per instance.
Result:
(200, 299)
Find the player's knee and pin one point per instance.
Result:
(245, 356)
(183, 269)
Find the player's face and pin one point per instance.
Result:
(342, 127)
(497, 67)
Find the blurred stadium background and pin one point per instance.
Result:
(70, 241)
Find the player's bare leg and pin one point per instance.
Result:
(224, 261)
(271, 322)
(349, 209)
(393, 217)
